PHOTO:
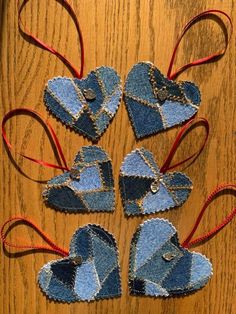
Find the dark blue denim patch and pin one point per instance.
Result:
(159, 266)
(84, 276)
(139, 173)
(87, 105)
(88, 186)
(155, 103)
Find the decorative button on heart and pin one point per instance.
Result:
(90, 272)
(89, 186)
(160, 266)
(145, 190)
(86, 105)
(155, 103)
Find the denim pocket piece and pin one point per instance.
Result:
(88, 186)
(86, 105)
(90, 272)
(155, 103)
(160, 267)
(145, 189)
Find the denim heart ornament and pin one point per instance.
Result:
(88, 186)
(86, 105)
(160, 266)
(90, 272)
(155, 103)
(145, 189)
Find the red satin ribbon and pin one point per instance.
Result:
(49, 128)
(166, 166)
(203, 60)
(52, 246)
(78, 74)
(187, 242)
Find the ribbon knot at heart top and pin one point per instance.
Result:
(88, 271)
(155, 102)
(87, 105)
(87, 187)
(162, 267)
(146, 188)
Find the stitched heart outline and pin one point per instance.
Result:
(155, 103)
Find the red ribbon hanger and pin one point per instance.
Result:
(48, 127)
(203, 60)
(188, 242)
(52, 247)
(166, 165)
(66, 4)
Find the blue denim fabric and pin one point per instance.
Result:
(96, 277)
(159, 266)
(148, 113)
(137, 174)
(65, 98)
(89, 186)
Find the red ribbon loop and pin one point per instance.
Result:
(49, 128)
(52, 247)
(78, 74)
(203, 60)
(187, 242)
(166, 166)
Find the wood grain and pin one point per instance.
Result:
(117, 33)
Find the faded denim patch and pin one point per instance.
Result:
(155, 103)
(87, 105)
(88, 186)
(90, 272)
(159, 266)
(145, 189)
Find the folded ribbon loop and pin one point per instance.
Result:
(166, 166)
(52, 247)
(203, 60)
(78, 74)
(188, 242)
(51, 132)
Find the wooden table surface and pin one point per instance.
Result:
(117, 33)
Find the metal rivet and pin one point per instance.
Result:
(168, 256)
(162, 94)
(77, 260)
(74, 173)
(155, 186)
(89, 94)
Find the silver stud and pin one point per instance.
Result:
(77, 260)
(155, 186)
(89, 94)
(162, 94)
(168, 256)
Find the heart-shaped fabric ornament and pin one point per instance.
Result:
(156, 103)
(160, 266)
(88, 186)
(90, 272)
(86, 105)
(145, 189)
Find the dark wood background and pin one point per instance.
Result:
(116, 33)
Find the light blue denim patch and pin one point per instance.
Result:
(145, 190)
(155, 103)
(159, 266)
(88, 186)
(92, 275)
(81, 104)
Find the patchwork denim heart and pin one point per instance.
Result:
(86, 105)
(90, 272)
(159, 266)
(88, 186)
(145, 189)
(155, 103)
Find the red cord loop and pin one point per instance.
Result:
(49, 128)
(52, 247)
(78, 74)
(166, 166)
(203, 60)
(187, 242)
